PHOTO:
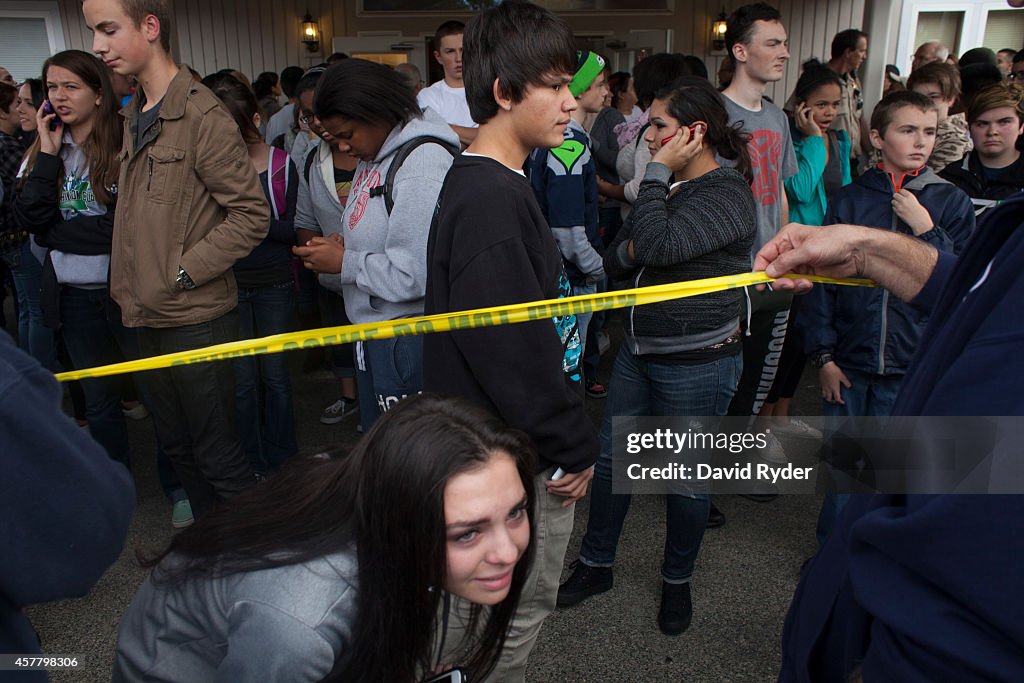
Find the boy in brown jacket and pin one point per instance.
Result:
(191, 205)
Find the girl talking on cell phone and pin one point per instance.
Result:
(692, 219)
(67, 201)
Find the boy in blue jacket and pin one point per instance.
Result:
(860, 339)
(564, 180)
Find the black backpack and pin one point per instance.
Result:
(401, 154)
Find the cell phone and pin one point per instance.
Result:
(693, 131)
(450, 676)
(48, 109)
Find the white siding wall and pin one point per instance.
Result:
(263, 35)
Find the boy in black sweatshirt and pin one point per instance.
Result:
(489, 245)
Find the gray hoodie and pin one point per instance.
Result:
(284, 624)
(384, 272)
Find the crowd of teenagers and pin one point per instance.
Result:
(148, 210)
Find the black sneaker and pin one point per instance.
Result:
(715, 517)
(595, 389)
(676, 608)
(584, 582)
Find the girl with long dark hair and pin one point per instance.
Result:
(376, 256)
(266, 297)
(692, 219)
(345, 574)
(823, 163)
(67, 202)
(34, 337)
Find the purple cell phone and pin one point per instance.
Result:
(48, 109)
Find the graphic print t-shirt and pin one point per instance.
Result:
(343, 183)
(772, 158)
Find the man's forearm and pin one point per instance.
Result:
(896, 262)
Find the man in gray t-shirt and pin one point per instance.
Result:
(757, 42)
(772, 159)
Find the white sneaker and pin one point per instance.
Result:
(337, 411)
(774, 453)
(797, 428)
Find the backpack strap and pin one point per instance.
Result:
(277, 165)
(640, 134)
(401, 155)
(311, 155)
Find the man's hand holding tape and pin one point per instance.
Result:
(896, 262)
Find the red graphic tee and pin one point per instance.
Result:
(765, 148)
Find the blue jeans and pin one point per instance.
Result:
(869, 395)
(583, 319)
(640, 387)
(269, 441)
(34, 337)
(389, 370)
(91, 340)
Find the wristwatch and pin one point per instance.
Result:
(184, 281)
(822, 359)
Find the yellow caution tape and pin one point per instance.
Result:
(443, 322)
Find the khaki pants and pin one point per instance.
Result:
(551, 538)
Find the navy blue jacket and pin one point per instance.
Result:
(867, 329)
(928, 588)
(64, 505)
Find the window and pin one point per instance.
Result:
(944, 27)
(446, 6)
(1004, 29)
(29, 33)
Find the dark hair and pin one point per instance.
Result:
(1007, 51)
(618, 83)
(726, 72)
(693, 98)
(290, 77)
(654, 73)
(975, 78)
(264, 84)
(946, 76)
(815, 74)
(8, 94)
(335, 58)
(846, 40)
(36, 91)
(978, 55)
(448, 28)
(239, 101)
(886, 110)
(518, 44)
(741, 22)
(696, 66)
(360, 90)
(1019, 57)
(386, 499)
(309, 81)
(104, 142)
(138, 10)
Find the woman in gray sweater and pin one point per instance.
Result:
(692, 219)
(344, 576)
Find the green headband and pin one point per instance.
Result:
(591, 64)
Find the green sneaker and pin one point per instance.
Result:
(181, 514)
